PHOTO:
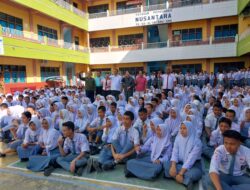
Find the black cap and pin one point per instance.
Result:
(234, 135)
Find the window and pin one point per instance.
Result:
(77, 42)
(130, 39)
(132, 70)
(98, 9)
(51, 34)
(75, 5)
(124, 5)
(13, 73)
(226, 31)
(49, 72)
(13, 24)
(192, 68)
(228, 66)
(100, 42)
(188, 34)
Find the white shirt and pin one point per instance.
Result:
(168, 81)
(221, 161)
(116, 82)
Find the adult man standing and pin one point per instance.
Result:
(169, 81)
(90, 86)
(128, 84)
(106, 83)
(116, 84)
(141, 83)
(98, 83)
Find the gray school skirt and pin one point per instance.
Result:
(39, 163)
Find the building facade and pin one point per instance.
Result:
(44, 38)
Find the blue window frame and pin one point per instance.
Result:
(225, 31)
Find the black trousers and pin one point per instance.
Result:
(105, 93)
(98, 90)
(116, 94)
(91, 95)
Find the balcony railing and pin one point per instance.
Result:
(70, 7)
(166, 44)
(32, 37)
(168, 5)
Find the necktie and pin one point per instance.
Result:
(231, 167)
(106, 86)
(217, 122)
(125, 140)
(167, 81)
(73, 147)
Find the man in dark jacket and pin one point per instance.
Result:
(90, 86)
(128, 84)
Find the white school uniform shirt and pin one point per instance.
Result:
(216, 138)
(187, 77)
(116, 82)
(221, 161)
(132, 135)
(97, 121)
(247, 74)
(210, 121)
(168, 81)
(221, 77)
(81, 144)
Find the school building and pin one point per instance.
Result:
(45, 38)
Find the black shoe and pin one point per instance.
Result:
(2, 155)
(190, 186)
(96, 166)
(24, 159)
(89, 166)
(127, 173)
(48, 171)
(79, 171)
(109, 166)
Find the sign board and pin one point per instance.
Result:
(1, 46)
(153, 17)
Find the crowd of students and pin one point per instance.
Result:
(171, 129)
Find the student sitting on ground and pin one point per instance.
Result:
(18, 134)
(123, 142)
(32, 135)
(108, 132)
(95, 129)
(74, 149)
(245, 126)
(216, 138)
(185, 165)
(151, 156)
(229, 163)
(47, 149)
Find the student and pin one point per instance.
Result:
(47, 149)
(216, 138)
(230, 114)
(245, 126)
(141, 122)
(95, 129)
(173, 122)
(74, 149)
(185, 164)
(108, 132)
(81, 121)
(123, 142)
(30, 141)
(229, 163)
(151, 156)
(64, 117)
(212, 120)
(149, 130)
(112, 109)
(18, 134)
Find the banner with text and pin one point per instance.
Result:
(153, 17)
